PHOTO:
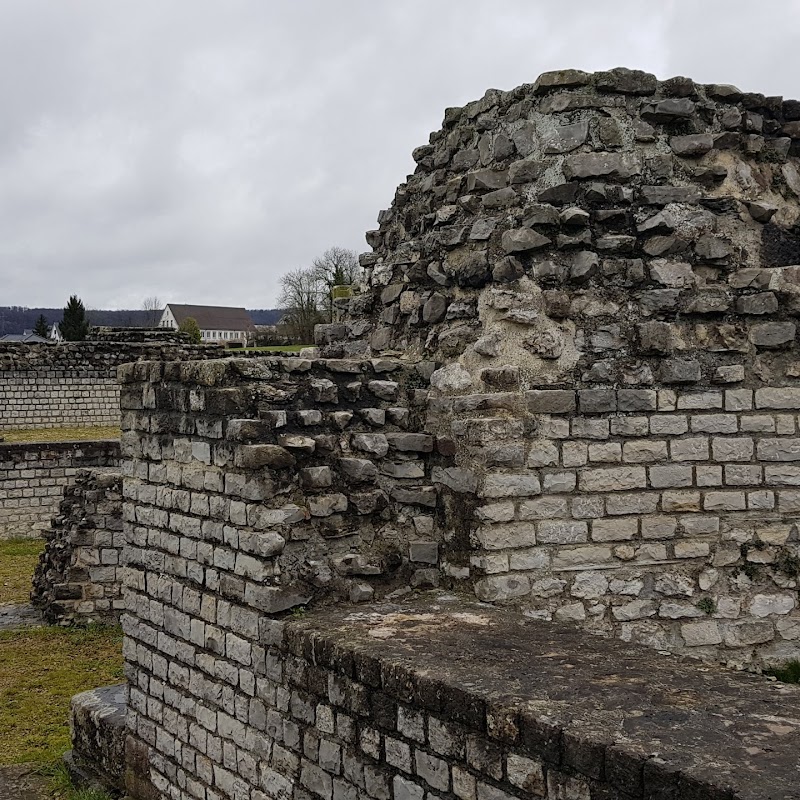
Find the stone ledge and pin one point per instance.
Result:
(646, 724)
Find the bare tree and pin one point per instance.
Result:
(153, 308)
(300, 301)
(337, 266)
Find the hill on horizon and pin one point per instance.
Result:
(16, 319)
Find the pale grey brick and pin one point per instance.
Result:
(668, 477)
(511, 486)
(742, 475)
(738, 399)
(700, 401)
(761, 500)
(714, 423)
(544, 508)
(588, 507)
(605, 451)
(778, 449)
(724, 501)
(583, 428)
(434, 771)
(615, 530)
(639, 503)
(644, 451)
(562, 532)
(778, 398)
(669, 425)
(672, 501)
(782, 476)
(757, 423)
(612, 479)
(692, 449)
(574, 454)
(629, 426)
(559, 482)
(725, 449)
(543, 454)
(658, 527)
(708, 475)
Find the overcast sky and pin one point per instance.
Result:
(198, 149)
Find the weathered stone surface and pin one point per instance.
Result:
(616, 166)
(522, 240)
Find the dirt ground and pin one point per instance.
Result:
(21, 782)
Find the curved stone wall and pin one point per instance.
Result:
(603, 228)
(604, 269)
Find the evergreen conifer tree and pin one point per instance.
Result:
(41, 328)
(74, 326)
(190, 326)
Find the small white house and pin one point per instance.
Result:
(218, 324)
(55, 333)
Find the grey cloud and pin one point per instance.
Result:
(197, 150)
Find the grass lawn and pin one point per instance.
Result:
(61, 434)
(40, 670)
(18, 559)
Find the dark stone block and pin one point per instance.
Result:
(780, 247)
(541, 739)
(383, 710)
(464, 707)
(624, 771)
(583, 756)
(597, 401)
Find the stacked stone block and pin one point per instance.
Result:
(80, 575)
(274, 481)
(33, 478)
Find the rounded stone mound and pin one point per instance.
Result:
(591, 229)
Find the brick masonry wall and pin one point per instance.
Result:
(664, 517)
(439, 700)
(275, 481)
(79, 575)
(72, 384)
(33, 478)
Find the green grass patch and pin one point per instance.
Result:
(788, 673)
(18, 560)
(61, 434)
(61, 787)
(40, 670)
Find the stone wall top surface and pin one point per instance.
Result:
(648, 724)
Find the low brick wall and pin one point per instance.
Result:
(79, 575)
(74, 384)
(33, 477)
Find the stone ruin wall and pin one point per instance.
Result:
(34, 477)
(73, 384)
(80, 574)
(607, 266)
(593, 419)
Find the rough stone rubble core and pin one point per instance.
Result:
(590, 281)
